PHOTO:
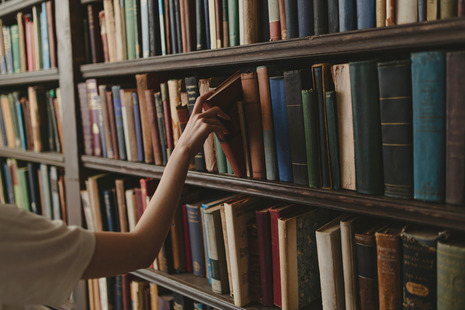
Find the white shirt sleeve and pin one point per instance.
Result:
(41, 261)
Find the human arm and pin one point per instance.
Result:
(117, 253)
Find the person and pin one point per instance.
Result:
(41, 261)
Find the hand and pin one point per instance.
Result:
(200, 125)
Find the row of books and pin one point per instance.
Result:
(32, 120)
(131, 29)
(29, 44)
(38, 188)
(363, 125)
(126, 292)
(289, 255)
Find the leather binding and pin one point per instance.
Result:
(167, 17)
(264, 250)
(143, 82)
(111, 117)
(161, 127)
(200, 25)
(96, 47)
(447, 9)
(275, 23)
(282, 19)
(347, 15)
(381, 13)
(153, 121)
(172, 27)
(455, 131)
(154, 31)
(322, 83)
(419, 284)
(119, 121)
(365, 14)
(225, 23)
(254, 123)
(389, 255)
(251, 21)
(428, 72)
(320, 9)
(310, 113)
(395, 97)
(331, 118)
(267, 123)
(333, 16)
(367, 129)
(390, 13)
(293, 87)
(233, 20)
(305, 17)
(207, 24)
(292, 26)
(281, 128)
(421, 10)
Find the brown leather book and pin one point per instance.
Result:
(27, 123)
(184, 34)
(251, 28)
(282, 18)
(111, 117)
(142, 86)
(104, 36)
(211, 162)
(51, 33)
(390, 13)
(389, 254)
(152, 117)
(177, 242)
(167, 26)
(254, 123)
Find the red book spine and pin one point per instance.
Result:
(264, 250)
(274, 215)
(275, 30)
(187, 243)
(51, 34)
(29, 43)
(111, 114)
(103, 34)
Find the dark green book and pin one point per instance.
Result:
(233, 22)
(367, 127)
(331, 117)
(14, 116)
(310, 112)
(14, 36)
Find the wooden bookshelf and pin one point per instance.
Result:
(50, 158)
(441, 215)
(28, 78)
(13, 6)
(90, 1)
(375, 41)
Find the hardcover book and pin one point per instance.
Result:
(194, 221)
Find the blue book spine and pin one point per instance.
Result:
(421, 10)
(9, 184)
(2, 129)
(144, 20)
(292, 26)
(305, 17)
(22, 134)
(209, 270)
(119, 122)
(8, 49)
(140, 147)
(108, 212)
(346, 15)
(281, 128)
(161, 14)
(194, 222)
(207, 24)
(365, 14)
(428, 98)
(44, 37)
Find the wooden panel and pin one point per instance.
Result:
(35, 77)
(13, 6)
(405, 210)
(397, 38)
(55, 159)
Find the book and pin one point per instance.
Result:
(112, 123)
(250, 23)
(45, 193)
(428, 72)
(365, 14)
(137, 126)
(154, 128)
(390, 13)
(127, 111)
(345, 125)
(167, 117)
(174, 93)
(220, 156)
(8, 122)
(310, 116)
(121, 185)
(292, 26)
(225, 96)
(349, 263)
(14, 37)
(274, 21)
(196, 241)
(367, 127)
(38, 111)
(406, 12)
(106, 121)
(96, 185)
(85, 119)
(96, 46)
(320, 12)
(161, 127)
(333, 139)
(33, 185)
(265, 258)
(281, 128)
(143, 82)
(55, 194)
(447, 9)
(422, 7)
(111, 210)
(233, 22)
(95, 110)
(117, 109)
(328, 242)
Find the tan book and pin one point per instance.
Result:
(38, 114)
(37, 42)
(127, 109)
(96, 185)
(111, 30)
(380, 13)
(250, 21)
(2, 44)
(8, 121)
(432, 10)
(22, 41)
(406, 11)
(121, 185)
(390, 12)
(341, 78)
(86, 208)
(226, 248)
(142, 86)
(448, 9)
(174, 93)
(245, 143)
(349, 263)
(209, 151)
(131, 208)
(120, 32)
(106, 122)
(212, 23)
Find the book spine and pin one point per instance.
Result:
(152, 118)
(310, 114)
(254, 123)
(390, 13)
(96, 47)
(281, 128)
(44, 37)
(161, 18)
(380, 6)
(167, 117)
(200, 25)
(330, 102)
(196, 239)
(395, 97)
(461, 8)
(128, 125)
(366, 14)
(166, 12)
(346, 15)
(365, 246)
(292, 26)
(119, 122)
(104, 36)
(206, 22)
(161, 126)
(367, 129)
(130, 28)
(447, 9)
(29, 45)
(219, 24)
(36, 205)
(51, 34)
(112, 123)
(455, 134)
(233, 22)
(220, 157)
(251, 21)
(106, 121)
(225, 23)
(451, 271)
(275, 23)
(177, 16)
(95, 112)
(111, 30)
(293, 89)
(14, 37)
(8, 49)
(421, 10)
(282, 19)
(85, 119)
(142, 85)
(406, 12)
(21, 121)
(341, 77)
(428, 72)
(333, 16)
(138, 129)
(187, 243)
(172, 29)
(267, 124)
(320, 9)
(264, 250)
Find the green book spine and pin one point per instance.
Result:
(14, 116)
(228, 166)
(22, 174)
(310, 105)
(331, 117)
(451, 274)
(233, 19)
(15, 47)
(220, 157)
(130, 29)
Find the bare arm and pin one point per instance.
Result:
(117, 253)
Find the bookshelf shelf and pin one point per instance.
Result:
(13, 6)
(50, 75)
(376, 40)
(440, 215)
(90, 1)
(55, 159)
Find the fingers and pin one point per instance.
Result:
(200, 101)
(216, 111)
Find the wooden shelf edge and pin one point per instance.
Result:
(50, 158)
(183, 284)
(14, 6)
(401, 37)
(440, 215)
(40, 76)
(90, 1)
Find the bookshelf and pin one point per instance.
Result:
(28, 78)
